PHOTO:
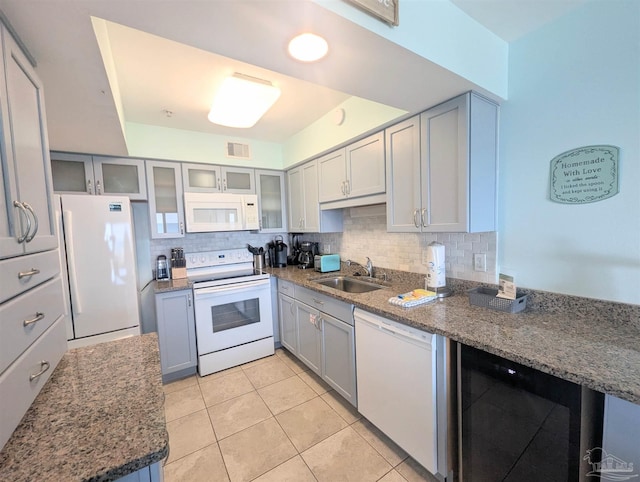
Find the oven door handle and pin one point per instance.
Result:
(238, 287)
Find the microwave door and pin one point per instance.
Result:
(214, 217)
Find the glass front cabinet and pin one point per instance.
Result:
(97, 175)
(166, 206)
(271, 201)
(211, 178)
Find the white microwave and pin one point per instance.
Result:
(208, 212)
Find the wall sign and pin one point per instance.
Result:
(386, 10)
(584, 175)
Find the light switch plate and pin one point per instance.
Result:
(480, 262)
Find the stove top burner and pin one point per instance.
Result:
(221, 267)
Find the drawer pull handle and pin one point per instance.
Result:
(30, 237)
(44, 366)
(39, 316)
(318, 302)
(31, 272)
(23, 210)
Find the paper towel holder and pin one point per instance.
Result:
(436, 279)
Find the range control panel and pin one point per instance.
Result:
(205, 259)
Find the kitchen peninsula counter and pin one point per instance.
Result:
(589, 342)
(99, 417)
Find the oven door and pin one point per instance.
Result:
(231, 315)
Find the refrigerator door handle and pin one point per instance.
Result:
(67, 220)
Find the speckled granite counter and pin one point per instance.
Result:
(99, 417)
(172, 285)
(592, 343)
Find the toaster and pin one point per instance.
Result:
(326, 262)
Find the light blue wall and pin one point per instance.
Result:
(180, 145)
(442, 33)
(574, 83)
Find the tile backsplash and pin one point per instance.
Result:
(365, 234)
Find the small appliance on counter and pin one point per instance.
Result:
(162, 269)
(308, 249)
(436, 279)
(295, 248)
(325, 263)
(277, 253)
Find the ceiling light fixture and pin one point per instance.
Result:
(242, 100)
(308, 47)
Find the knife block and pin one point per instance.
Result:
(178, 273)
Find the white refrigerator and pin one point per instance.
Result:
(98, 265)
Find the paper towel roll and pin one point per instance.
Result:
(436, 272)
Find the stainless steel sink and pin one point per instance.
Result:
(349, 285)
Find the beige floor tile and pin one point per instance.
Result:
(180, 384)
(293, 470)
(412, 471)
(345, 456)
(315, 382)
(213, 376)
(393, 476)
(347, 411)
(205, 465)
(269, 372)
(291, 361)
(286, 394)
(183, 402)
(256, 450)
(310, 423)
(237, 414)
(189, 434)
(259, 361)
(225, 388)
(379, 441)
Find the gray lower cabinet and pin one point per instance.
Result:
(309, 337)
(176, 333)
(319, 331)
(338, 357)
(288, 324)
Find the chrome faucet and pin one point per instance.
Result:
(368, 267)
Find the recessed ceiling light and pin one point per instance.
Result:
(308, 47)
(242, 100)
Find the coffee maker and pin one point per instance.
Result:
(308, 249)
(295, 248)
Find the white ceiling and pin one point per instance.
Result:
(170, 54)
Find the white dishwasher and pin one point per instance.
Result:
(396, 380)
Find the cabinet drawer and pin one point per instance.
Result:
(19, 387)
(25, 318)
(25, 272)
(287, 288)
(338, 309)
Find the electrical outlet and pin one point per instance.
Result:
(326, 248)
(480, 262)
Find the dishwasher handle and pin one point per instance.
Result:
(384, 325)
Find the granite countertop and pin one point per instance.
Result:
(99, 417)
(172, 285)
(589, 342)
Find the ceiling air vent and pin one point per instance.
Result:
(238, 151)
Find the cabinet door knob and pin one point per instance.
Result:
(44, 366)
(98, 188)
(25, 232)
(422, 217)
(415, 218)
(30, 237)
(342, 188)
(89, 186)
(39, 316)
(347, 187)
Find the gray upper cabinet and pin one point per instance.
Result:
(212, 178)
(356, 171)
(271, 201)
(452, 150)
(305, 215)
(85, 174)
(27, 222)
(166, 204)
